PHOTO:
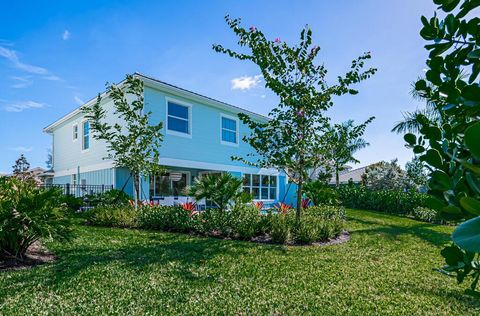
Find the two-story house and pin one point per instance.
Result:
(200, 136)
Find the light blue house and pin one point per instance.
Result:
(200, 136)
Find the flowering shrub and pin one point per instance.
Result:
(242, 221)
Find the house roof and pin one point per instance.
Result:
(355, 175)
(161, 85)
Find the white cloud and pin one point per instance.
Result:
(22, 149)
(21, 82)
(23, 105)
(245, 82)
(78, 100)
(52, 78)
(11, 55)
(65, 35)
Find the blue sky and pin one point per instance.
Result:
(54, 55)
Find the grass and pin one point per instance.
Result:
(386, 268)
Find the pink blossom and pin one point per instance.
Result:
(253, 28)
(277, 40)
(301, 113)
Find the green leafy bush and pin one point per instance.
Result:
(319, 223)
(321, 194)
(388, 201)
(167, 218)
(113, 216)
(281, 227)
(110, 197)
(426, 214)
(28, 214)
(246, 221)
(242, 221)
(72, 203)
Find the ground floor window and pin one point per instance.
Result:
(261, 187)
(168, 184)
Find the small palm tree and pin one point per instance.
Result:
(345, 140)
(220, 189)
(411, 120)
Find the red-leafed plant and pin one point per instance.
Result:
(305, 203)
(190, 207)
(258, 205)
(282, 208)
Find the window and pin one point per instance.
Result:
(86, 135)
(75, 132)
(178, 118)
(229, 130)
(262, 187)
(168, 184)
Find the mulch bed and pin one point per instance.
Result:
(36, 254)
(340, 239)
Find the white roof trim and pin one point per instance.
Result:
(163, 86)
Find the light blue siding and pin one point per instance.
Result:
(202, 146)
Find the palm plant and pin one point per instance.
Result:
(221, 189)
(345, 140)
(411, 120)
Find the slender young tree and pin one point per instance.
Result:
(293, 139)
(132, 142)
(21, 169)
(345, 140)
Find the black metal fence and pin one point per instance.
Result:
(79, 190)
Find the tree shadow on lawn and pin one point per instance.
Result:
(425, 231)
(180, 252)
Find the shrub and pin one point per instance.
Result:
(388, 201)
(426, 214)
(110, 197)
(221, 189)
(113, 216)
(167, 218)
(320, 193)
(27, 214)
(215, 222)
(281, 227)
(72, 203)
(320, 223)
(246, 221)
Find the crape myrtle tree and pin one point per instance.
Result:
(344, 140)
(293, 138)
(132, 142)
(451, 148)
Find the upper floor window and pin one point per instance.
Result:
(178, 118)
(229, 130)
(75, 132)
(261, 187)
(86, 135)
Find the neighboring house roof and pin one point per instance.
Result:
(355, 175)
(149, 81)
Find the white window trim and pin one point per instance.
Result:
(182, 103)
(237, 122)
(73, 132)
(277, 187)
(83, 138)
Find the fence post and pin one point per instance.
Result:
(103, 188)
(67, 189)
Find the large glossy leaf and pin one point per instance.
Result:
(410, 138)
(433, 158)
(472, 139)
(471, 205)
(467, 235)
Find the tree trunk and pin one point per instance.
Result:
(135, 193)
(298, 211)
(337, 177)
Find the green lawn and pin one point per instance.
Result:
(386, 268)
